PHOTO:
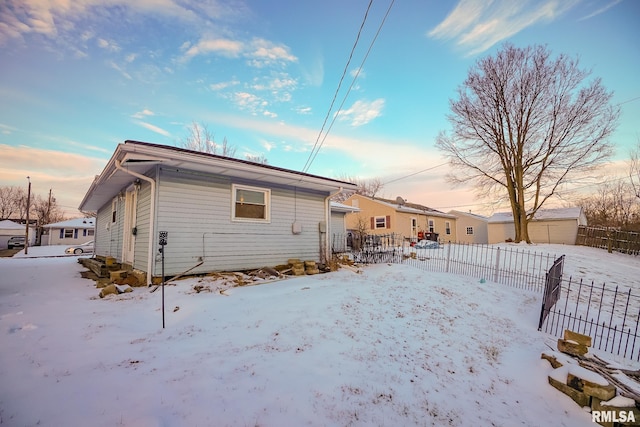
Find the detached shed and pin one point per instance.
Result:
(548, 226)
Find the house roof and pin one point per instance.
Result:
(413, 208)
(541, 215)
(339, 207)
(140, 157)
(73, 223)
(469, 214)
(7, 224)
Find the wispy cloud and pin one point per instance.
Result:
(51, 18)
(153, 128)
(601, 10)
(226, 47)
(142, 114)
(259, 53)
(476, 25)
(362, 112)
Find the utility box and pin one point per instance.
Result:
(322, 227)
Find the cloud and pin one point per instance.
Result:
(249, 102)
(601, 10)
(224, 47)
(142, 114)
(262, 53)
(362, 112)
(109, 45)
(51, 18)
(68, 175)
(476, 25)
(153, 128)
(223, 85)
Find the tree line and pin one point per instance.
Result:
(13, 206)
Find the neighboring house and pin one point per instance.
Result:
(338, 225)
(219, 213)
(69, 232)
(411, 220)
(470, 227)
(547, 226)
(10, 228)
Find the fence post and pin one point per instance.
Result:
(495, 272)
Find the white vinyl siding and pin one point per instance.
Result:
(195, 210)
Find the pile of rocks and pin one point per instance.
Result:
(300, 268)
(588, 382)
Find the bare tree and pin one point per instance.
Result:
(525, 125)
(201, 139)
(10, 199)
(366, 187)
(46, 210)
(257, 159)
(614, 205)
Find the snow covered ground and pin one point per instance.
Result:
(388, 347)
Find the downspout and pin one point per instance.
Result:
(152, 211)
(327, 221)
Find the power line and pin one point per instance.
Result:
(416, 173)
(335, 95)
(318, 145)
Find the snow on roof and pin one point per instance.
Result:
(412, 208)
(470, 214)
(339, 207)
(7, 224)
(74, 223)
(543, 214)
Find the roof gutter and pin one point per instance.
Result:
(152, 210)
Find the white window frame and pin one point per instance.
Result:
(431, 224)
(267, 201)
(376, 224)
(447, 227)
(469, 230)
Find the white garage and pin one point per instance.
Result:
(548, 226)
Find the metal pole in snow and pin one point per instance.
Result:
(163, 243)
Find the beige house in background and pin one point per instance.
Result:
(471, 228)
(547, 226)
(411, 220)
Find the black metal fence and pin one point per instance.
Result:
(551, 289)
(610, 316)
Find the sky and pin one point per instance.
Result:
(390, 345)
(77, 78)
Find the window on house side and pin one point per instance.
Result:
(250, 203)
(447, 227)
(90, 232)
(114, 210)
(381, 222)
(469, 230)
(431, 226)
(68, 233)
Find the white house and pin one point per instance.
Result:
(69, 232)
(215, 213)
(10, 228)
(471, 228)
(547, 226)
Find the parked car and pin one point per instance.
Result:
(85, 248)
(15, 242)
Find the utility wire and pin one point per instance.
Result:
(313, 154)
(335, 95)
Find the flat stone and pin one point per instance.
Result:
(571, 347)
(553, 360)
(579, 338)
(577, 396)
(117, 275)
